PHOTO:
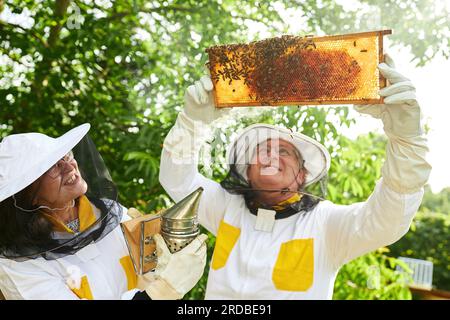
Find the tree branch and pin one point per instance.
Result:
(60, 10)
(120, 15)
(167, 8)
(26, 31)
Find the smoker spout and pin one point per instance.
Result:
(179, 223)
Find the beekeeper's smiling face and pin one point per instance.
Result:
(276, 165)
(61, 184)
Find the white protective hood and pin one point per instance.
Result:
(316, 156)
(25, 157)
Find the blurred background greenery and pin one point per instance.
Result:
(123, 66)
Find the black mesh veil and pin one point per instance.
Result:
(39, 237)
(241, 156)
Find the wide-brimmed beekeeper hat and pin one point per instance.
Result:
(241, 151)
(25, 157)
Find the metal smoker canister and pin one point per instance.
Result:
(179, 224)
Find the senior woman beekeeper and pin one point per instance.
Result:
(59, 227)
(276, 240)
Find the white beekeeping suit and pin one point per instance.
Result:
(87, 259)
(299, 257)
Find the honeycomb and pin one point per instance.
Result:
(293, 70)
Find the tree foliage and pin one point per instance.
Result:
(429, 240)
(373, 277)
(436, 202)
(123, 66)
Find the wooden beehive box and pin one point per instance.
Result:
(138, 234)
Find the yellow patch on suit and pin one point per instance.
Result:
(283, 204)
(85, 213)
(227, 235)
(127, 266)
(294, 268)
(86, 217)
(84, 292)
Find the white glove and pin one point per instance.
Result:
(199, 102)
(405, 169)
(192, 127)
(400, 112)
(177, 273)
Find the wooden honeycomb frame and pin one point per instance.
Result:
(289, 70)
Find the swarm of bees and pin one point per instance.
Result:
(287, 68)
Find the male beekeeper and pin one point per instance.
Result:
(274, 240)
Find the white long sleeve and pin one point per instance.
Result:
(386, 216)
(179, 174)
(20, 282)
(354, 230)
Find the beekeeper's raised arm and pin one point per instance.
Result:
(178, 171)
(387, 215)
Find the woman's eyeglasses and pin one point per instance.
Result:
(58, 167)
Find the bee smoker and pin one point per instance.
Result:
(179, 223)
